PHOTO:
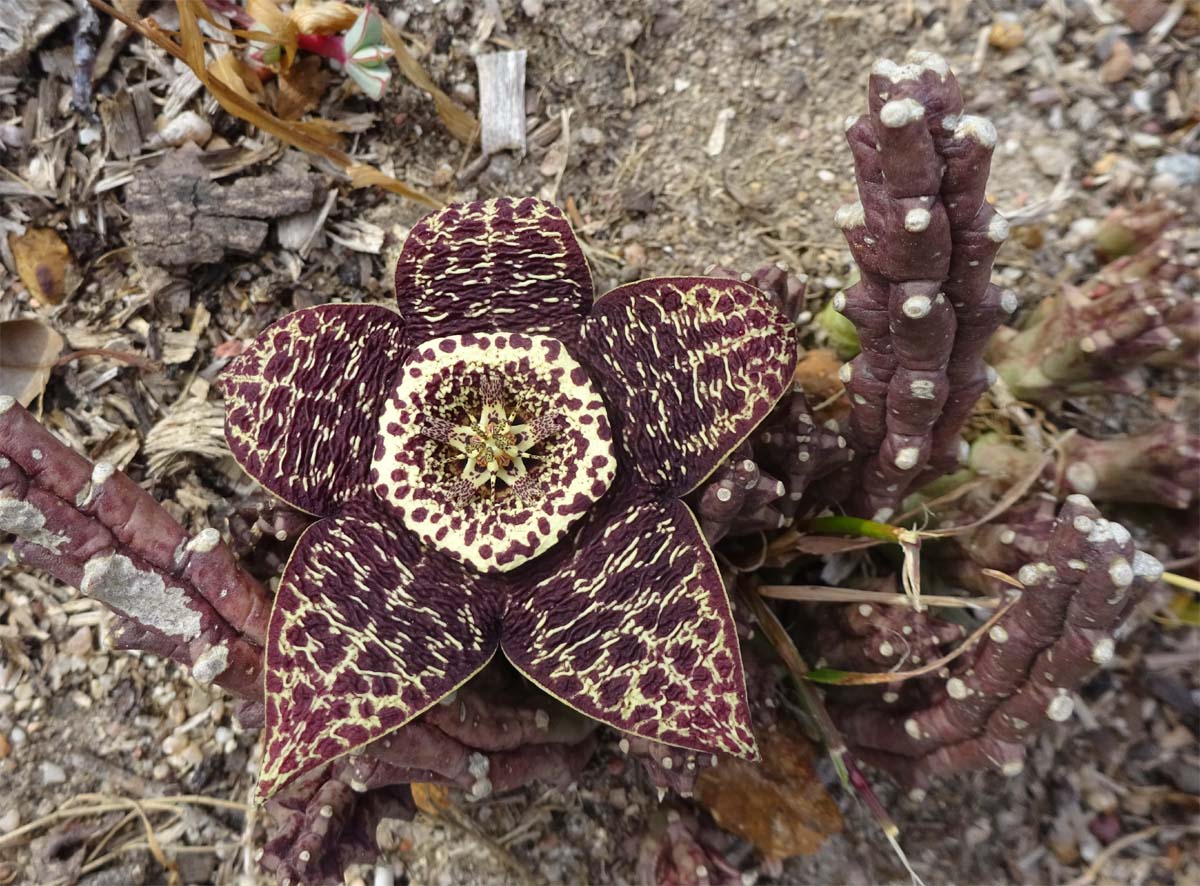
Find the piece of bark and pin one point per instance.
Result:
(180, 217)
(502, 101)
(24, 24)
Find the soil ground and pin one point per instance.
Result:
(632, 100)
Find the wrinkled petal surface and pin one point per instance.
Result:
(689, 366)
(369, 629)
(493, 529)
(502, 265)
(302, 402)
(631, 626)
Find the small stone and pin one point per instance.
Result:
(10, 821)
(443, 175)
(80, 642)
(1051, 159)
(635, 255)
(18, 736)
(5, 747)
(533, 8)
(52, 773)
(644, 131)
(590, 136)
(1116, 67)
(1183, 168)
(629, 31)
(1006, 32)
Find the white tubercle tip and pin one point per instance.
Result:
(901, 112)
(922, 389)
(980, 129)
(852, 215)
(1102, 652)
(1147, 567)
(1060, 709)
(917, 306)
(998, 229)
(917, 220)
(906, 458)
(1008, 301)
(845, 373)
(1120, 572)
(102, 471)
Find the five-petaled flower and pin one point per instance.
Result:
(500, 465)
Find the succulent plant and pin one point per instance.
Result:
(979, 714)
(924, 237)
(499, 467)
(1099, 338)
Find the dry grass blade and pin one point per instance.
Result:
(98, 804)
(1010, 498)
(1106, 855)
(824, 594)
(190, 50)
(854, 678)
(848, 772)
(153, 837)
(460, 122)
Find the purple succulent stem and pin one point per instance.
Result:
(924, 239)
(1097, 338)
(1023, 673)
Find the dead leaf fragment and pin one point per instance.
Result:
(45, 264)
(779, 805)
(432, 799)
(817, 373)
(28, 349)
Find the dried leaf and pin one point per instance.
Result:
(817, 374)
(233, 73)
(28, 349)
(432, 799)
(779, 805)
(461, 123)
(45, 264)
(301, 87)
(290, 132)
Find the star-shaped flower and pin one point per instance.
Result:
(499, 466)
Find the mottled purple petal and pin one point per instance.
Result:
(369, 629)
(689, 366)
(498, 265)
(561, 423)
(302, 403)
(631, 626)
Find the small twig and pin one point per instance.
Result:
(823, 594)
(87, 32)
(121, 356)
(852, 678)
(1116, 846)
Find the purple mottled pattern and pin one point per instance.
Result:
(689, 366)
(302, 403)
(504, 265)
(369, 629)
(631, 625)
